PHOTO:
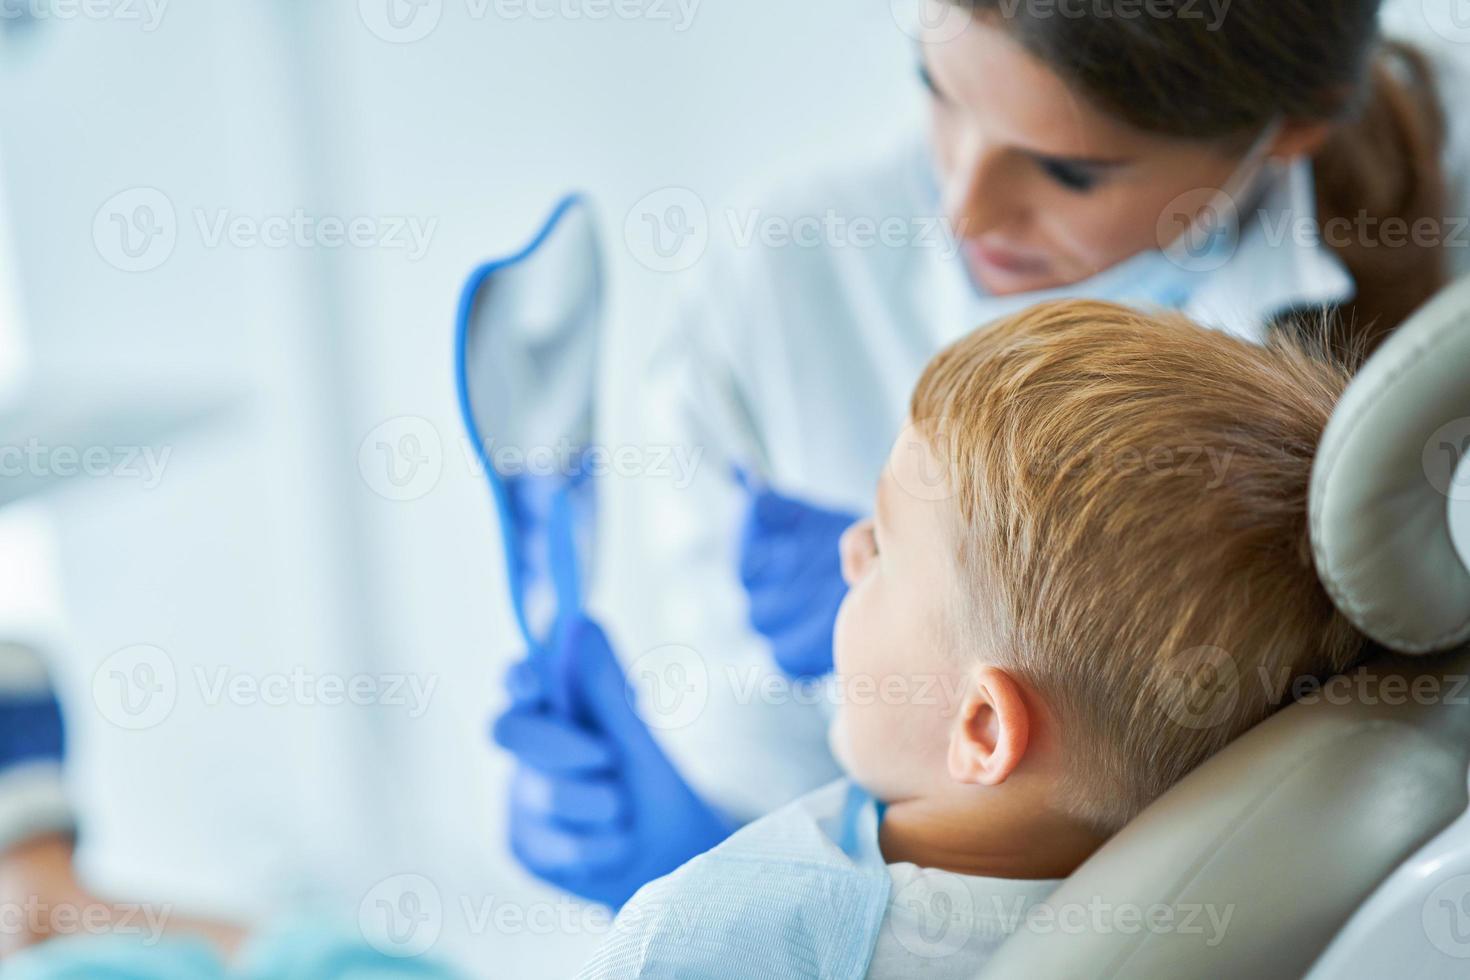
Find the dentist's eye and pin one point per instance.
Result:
(1070, 176)
(929, 85)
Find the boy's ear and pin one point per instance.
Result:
(991, 731)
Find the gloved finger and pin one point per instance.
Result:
(604, 694)
(586, 802)
(550, 743)
(549, 849)
(746, 480)
(775, 512)
(805, 648)
(768, 555)
(774, 608)
(525, 684)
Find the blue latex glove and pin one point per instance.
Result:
(597, 809)
(792, 572)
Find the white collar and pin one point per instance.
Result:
(1280, 262)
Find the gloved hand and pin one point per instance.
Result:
(596, 807)
(792, 572)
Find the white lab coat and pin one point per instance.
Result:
(810, 354)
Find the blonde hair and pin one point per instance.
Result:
(1132, 494)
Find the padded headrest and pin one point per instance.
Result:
(1253, 862)
(1389, 497)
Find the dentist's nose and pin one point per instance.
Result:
(979, 194)
(857, 548)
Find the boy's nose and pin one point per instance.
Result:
(856, 549)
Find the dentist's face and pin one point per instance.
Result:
(1044, 189)
(898, 678)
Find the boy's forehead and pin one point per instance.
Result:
(915, 471)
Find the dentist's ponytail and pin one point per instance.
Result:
(1198, 71)
(1382, 169)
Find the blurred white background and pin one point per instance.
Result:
(264, 546)
(270, 542)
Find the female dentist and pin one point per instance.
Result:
(1241, 167)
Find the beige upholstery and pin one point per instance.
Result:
(1286, 832)
(1382, 484)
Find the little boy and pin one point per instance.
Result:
(1095, 516)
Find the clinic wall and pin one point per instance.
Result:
(233, 558)
(480, 127)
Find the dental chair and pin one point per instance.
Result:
(1335, 835)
